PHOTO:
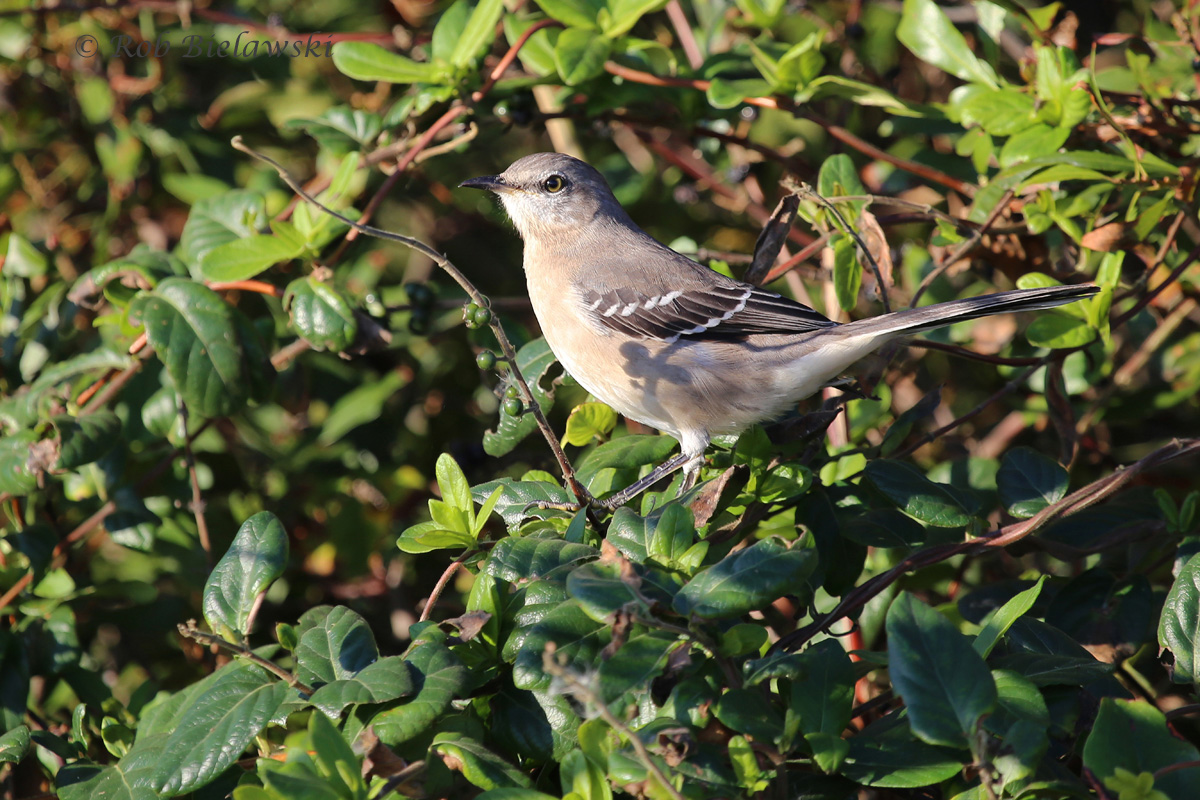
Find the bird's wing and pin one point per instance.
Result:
(715, 311)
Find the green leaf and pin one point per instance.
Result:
(945, 684)
(1046, 656)
(366, 61)
(335, 759)
(1034, 142)
(823, 694)
(1029, 481)
(746, 580)
(602, 589)
(628, 452)
(453, 483)
(932, 503)
(254, 560)
(85, 439)
(448, 31)
(931, 36)
(1059, 330)
(1179, 626)
(589, 421)
(514, 794)
(213, 221)
(14, 745)
(361, 405)
(379, 682)
(321, 314)
(1133, 735)
(534, 359)
(577, 637)
(216, 727)
(574, 13)
(847, 274)
(749, 711)
(192, 331)
(480, 766)
(839, 178)
(580, 55)
(537, 55)
(240, 259)
(335, 644)
(478, 32)
(441, 677)
(341, 128)
(16, 478)
(518, 499)
(624, 14)
(999, 621)
(1001, 112)
(23, 259)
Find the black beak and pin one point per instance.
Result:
(492, 183)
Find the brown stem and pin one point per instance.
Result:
(551, 665)
(440, 586)
(190, 631)
(962, 249)
(197, 503)
(261, 287)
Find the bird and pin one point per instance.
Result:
(672, 344)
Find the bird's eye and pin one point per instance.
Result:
(554, 184)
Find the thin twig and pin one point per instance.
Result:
(804, 190)
(190, 631)
(197, 504)
(963, 248)
(400, 778)
(440, 586)
(550, 665)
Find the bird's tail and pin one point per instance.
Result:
(915, 320)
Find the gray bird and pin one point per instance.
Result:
(670, 343)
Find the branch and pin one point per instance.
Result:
(190, 631)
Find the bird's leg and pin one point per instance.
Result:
(629, 492)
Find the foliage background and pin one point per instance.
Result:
(143, 426)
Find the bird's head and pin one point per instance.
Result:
(549, 196)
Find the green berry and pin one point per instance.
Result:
(513, 407)
(418, 324)
(512, 392)
(469, 311)
(481, 316)
(486, 359)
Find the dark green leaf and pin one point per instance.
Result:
(998, 622)
(895, 759)
(85, 439)
(440, 677)
(255, 558)
(219, 219)
(215, 729)
(192, 331)
(16, 477)
(823, 692)
(520, 559)
(478, 765)
(1029, 481)
(577, 638)
(321, 314)
(746, 580)
(1133, 735)
(925, 501)
(14, 745)
(628, 452)
(335, 644)
(534, 359)
(748, 711)
(945, 684)
(1047, 656)
(384, 680)
(518, 499)
(1179, 627)
(341, 128)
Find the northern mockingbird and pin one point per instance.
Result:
(670, 343)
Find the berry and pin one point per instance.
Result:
(486, 359)
(418, 294)
(512, 392)
(481, 317)
(513, 407)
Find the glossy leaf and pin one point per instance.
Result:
(192, 331)
(366, 61)
(518, 559)
(746, 580)
(440, 676)
(335, 644)
(931, 36)
(255, 558)
(245, 258)
(1133, 735)
(925, 501)
(945, 684)
(1029, 481)
(480, 766)
(321, 314)
(580, 54)
(1179, 627)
